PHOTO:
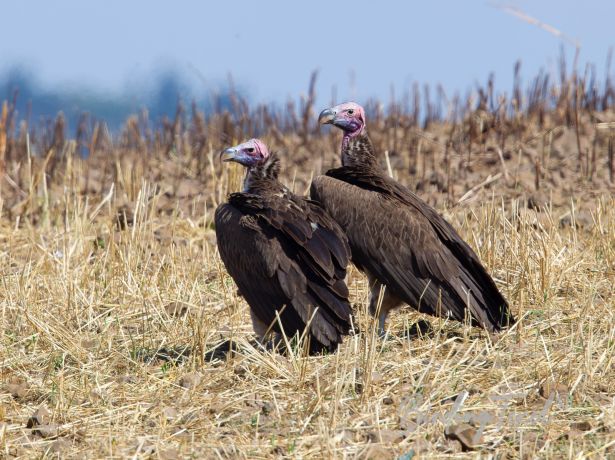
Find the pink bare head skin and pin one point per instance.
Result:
(349, 117)
(249, 153)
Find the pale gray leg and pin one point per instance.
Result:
(260, 328)
(381, 319)
(389, 302)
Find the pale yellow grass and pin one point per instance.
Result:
(86, 332)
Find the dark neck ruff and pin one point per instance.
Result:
(358, 151)
(263, 176)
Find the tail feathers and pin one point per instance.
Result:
(487, 305)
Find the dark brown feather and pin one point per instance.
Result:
(286, 255)
(405, 244)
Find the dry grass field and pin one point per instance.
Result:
(122, 336)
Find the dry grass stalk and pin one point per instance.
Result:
(87, 330)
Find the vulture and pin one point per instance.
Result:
(400, 242)
(287, 256)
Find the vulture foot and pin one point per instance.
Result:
(381, 303)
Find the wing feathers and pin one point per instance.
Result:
(286, 251)
(413, 250)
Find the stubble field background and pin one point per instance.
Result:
(122, 336)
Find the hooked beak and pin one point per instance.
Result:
(228, 154)
(238, 155)
(326, 117)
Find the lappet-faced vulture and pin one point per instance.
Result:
(287, 256)
(399, 241)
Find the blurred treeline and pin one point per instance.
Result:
(36, 101)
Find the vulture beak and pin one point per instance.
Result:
(228, 154)
(326, 117)
(238, 155)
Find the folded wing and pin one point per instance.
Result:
(408, 246)
(288, 256)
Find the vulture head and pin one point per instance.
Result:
(251, 153)
(349, 117)
(357, 149)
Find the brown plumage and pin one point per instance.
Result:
(401, 242)
(286, 255)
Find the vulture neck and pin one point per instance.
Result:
(358, 151)
(262, 176)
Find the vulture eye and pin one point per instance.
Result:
(250, 150)
(350, 111)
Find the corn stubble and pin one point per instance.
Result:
(123, 336)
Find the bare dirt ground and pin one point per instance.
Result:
(122, 336)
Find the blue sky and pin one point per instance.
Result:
(270, 48)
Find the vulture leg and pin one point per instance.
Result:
(260, 328)
(381, 308)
